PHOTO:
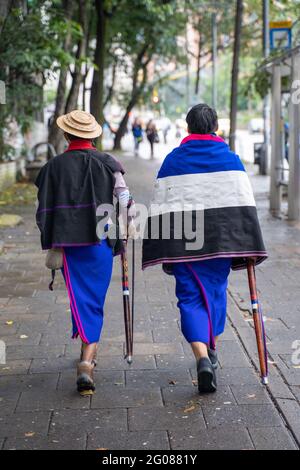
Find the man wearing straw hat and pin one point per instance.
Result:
(71, 187)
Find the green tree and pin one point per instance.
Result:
(149, 37)
(24, 67)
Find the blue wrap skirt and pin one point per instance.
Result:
(201, 289)
(87, 272)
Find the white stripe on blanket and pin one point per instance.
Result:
(201, 191)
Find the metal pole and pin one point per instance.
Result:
(276, 128)
(264, 167)
(214, 59)
(294, 141)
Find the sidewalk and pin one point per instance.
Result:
(152, 404)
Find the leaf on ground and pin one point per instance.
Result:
(172, 382)
(9, 322)
(23, 337)
(251, 396)
(188, 410)
(29, 434)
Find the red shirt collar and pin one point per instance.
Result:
(80, 144)
(216, 138)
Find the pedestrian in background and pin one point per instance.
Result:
(137, 132)
(152, 136)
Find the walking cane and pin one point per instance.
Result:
(128, 312)
(258, 323)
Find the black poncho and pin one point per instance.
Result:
(71, 187)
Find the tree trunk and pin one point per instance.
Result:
(197, 84)
(72, 99)
(55, 135)
(5, 7)
(136, 92)
(235, 73)
(123, 124)
(97, 90)
(110, 91)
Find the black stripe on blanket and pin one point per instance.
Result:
(228, 232)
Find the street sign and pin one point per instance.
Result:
(280, 34)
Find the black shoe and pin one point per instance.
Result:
(213, 356)
(206, 376)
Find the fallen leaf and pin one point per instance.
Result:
(195, 382)
(251, 396)
(172, 382)
(29, 434)
(187, 410)
(23, 337)
(9, 322)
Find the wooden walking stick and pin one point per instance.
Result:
(258, 322)
(126, 305)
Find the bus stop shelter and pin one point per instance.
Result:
(285, 65)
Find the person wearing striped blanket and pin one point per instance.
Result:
(202, 224)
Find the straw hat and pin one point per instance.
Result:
(80, 123)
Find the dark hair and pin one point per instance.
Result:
(74, 137)
(202, 119)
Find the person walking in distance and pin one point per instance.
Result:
(152, 136)
(137, 132)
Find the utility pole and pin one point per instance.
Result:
(266, 52)
(214, 59)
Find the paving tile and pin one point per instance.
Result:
(22, 339)
(247, 415)
(291, 412)
(34, 400)
(126, 397)
(272, 439)
(147, 440)
(62, 442)
(180, 417)
(183, 396)
(158, 378)
(52, 366)
(30, 352)
(166, 361)
(8, 401)
(19, 424)
(250, 394)
(211, 439)
(19, 383)
(90, 420)
(19, 366)
(119, 363)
